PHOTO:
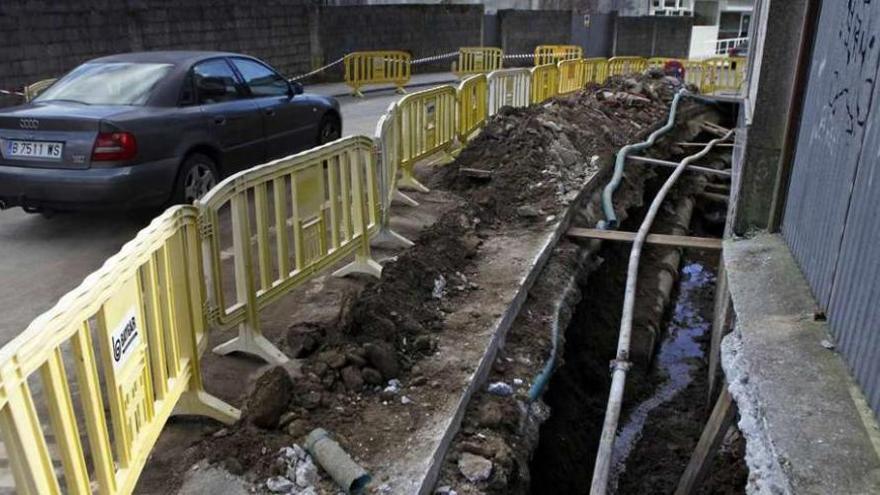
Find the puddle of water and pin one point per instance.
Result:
(674, 360)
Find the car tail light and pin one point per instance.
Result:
(114, 146)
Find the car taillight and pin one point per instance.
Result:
(114, 146)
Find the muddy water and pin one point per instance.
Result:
(678, 359)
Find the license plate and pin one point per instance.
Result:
(46, 150)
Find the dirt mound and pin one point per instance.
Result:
(539, 156)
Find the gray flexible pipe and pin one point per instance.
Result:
(621, 363)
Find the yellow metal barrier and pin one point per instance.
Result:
(473, 109)
(571, 75)
(477, 60)
(595, 70)
(545, 82)
(509, 87)
(551, 54)
(31, 91)
(143, 311)
(377, 67)
(386, 145)
(427, 125)
(723, 74)
(621, 66)
(322, 205)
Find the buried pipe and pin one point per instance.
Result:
(621, 364)
(339, 465)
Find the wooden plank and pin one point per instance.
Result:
(701, 460)
(661, 239)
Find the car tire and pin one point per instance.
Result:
(329, 130)
(198, 175)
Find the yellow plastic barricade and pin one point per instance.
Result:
(621, 66)
(320, 206)
(694, 72)
(595, 70)
(427, 127)
(571, 75)
(377, 67)
(723, 74)
(133, 331)
(31, 91)
(545, 82)
(473, 109)
(551, 54)
(509, 88)
(477, 60)
(658, 62)
(386, 146)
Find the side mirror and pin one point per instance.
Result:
(296, 88)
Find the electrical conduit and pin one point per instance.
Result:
(621, 364)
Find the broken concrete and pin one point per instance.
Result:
(805, 431)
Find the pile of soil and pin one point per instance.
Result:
(539, 159)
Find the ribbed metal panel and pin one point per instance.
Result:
(832, 217)
(838, 105)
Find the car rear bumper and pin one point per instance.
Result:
(144, 185)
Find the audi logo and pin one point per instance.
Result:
(31, 124)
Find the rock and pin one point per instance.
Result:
(301, 345)
(475, 468)
(298, 428)
(478, 449)
(518, 382)
(320, 368)
(306, 473)
(405, 400)
(384, 359)
(439, 287)
(358, 359)
(280, 484)
(528, 211)
(490, 414)
(286, 418)
(445, 490)
(371, 376)
(351, 377)
(423, 343)
(500, 389)
(333, 359)
(233, 465)
(311, 400)
(268, 398)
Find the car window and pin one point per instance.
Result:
(108, 83)
(261, 80)
(215, 82)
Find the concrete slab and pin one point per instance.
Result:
(805, 429)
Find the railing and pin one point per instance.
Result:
(472, 106)
(723, 46)
(428, 127)
(322, 205)
(723, 74)
(572, 75)
(619, 66)
(595, 70)
(377, 67)
(143, 309)
(545, 82)
(509, 87)
(387, 149)
(551, 54)
(477, 60)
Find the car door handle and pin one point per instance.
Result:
(270, 112)
(220, 120)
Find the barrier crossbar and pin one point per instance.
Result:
(377, 67)
(508, 88)
(143, 311)
(321, 206)
(545, 82)
(428, 126)
(477, 60)
(473, 110)
(551, 54)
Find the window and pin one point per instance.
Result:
(110, 83)
(215, 82)
(261, 80)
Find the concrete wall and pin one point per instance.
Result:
(651, 36)
(522, 31)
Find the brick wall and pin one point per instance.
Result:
(523, 30)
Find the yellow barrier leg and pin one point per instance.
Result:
(250, 339)
(363, 262)
(400, 90)
(201, 403)
(403, 198)
(408, 180)
(388, 237)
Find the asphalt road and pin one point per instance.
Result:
(42, 259)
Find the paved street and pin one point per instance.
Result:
(42, 259)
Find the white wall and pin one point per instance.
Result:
(703, 40)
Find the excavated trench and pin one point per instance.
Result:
(665, 405)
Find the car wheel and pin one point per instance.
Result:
(329, 130)
(197, 176)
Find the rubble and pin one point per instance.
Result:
(474, 467)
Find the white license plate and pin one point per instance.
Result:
(46, 150)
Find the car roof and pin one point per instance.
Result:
(176, 57)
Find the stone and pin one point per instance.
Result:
(371, 376)
(268, 398)
(311, 400)
(233, 465)
(351, 377)
(286, 418)
(423, 343)
(500, 389)
(477, 449)
(489, 414)
(298, 428)
(474, 467)
(301, 345)
(528, 211)
(280, 484)
(384, 359)
(356, 359)
(333, 359)
(445, 490)
(306, 473)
